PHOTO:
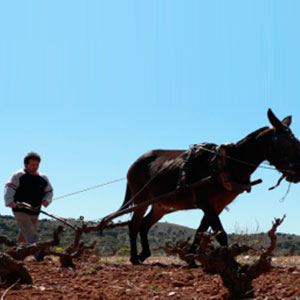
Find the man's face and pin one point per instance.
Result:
(32, 166)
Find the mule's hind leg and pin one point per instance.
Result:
(134, 228)
(153, 217)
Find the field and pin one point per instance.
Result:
(107, 276)
(158, 278)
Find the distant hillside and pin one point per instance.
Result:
(113, 240)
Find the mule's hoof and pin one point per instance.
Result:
(39, 255)
(135, 261)
(143, 256)
(192, 265)
(210, 271)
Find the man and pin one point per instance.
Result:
(29, 186)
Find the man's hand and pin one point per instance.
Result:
(45, 203)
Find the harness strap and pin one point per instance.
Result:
(222, 172)
(220, 169)
(188, 156)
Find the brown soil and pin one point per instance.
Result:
(159, 278)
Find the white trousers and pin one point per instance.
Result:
(28, 225)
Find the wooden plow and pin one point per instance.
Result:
(76, 249)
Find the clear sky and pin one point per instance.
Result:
(92, 85)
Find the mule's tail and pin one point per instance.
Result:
(127, 203)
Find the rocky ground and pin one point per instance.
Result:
(159, 278)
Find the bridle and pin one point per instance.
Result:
(279, 155)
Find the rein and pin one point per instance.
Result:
(183, 172)
(90, 188)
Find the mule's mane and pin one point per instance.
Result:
(252, 135)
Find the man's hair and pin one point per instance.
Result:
(32, 155)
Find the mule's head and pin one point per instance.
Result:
(284, 152)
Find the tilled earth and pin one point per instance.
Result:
(159, 278)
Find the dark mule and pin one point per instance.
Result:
(228, 169)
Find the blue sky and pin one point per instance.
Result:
(92, 85)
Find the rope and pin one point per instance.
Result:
(9, 288)
(90, 188)
(243, 162)
(123, 178)
(286, 193)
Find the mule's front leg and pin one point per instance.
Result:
(216, 226)
(202, 228)
(210, 219)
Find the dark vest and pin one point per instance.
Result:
(31, 190)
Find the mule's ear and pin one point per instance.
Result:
(287, 121)
(275, 121)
